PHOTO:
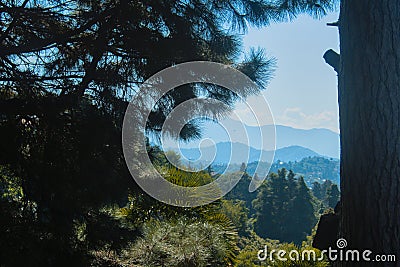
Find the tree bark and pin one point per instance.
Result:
(369, 104)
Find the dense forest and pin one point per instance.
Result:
(145, 232)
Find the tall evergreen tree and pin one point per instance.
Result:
(243, 167)
(332, 196)
(317, 191)
(241, 191)
(271, 206)
(263, 205)
(291, 183)
(280, 216)
(302, 212)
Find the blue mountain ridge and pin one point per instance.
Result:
(321, 141)
(226, 152)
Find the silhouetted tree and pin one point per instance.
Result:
(241, 192)
(280, 215)
(332, 196)
(302, 213)
(266, 207)
(291, 184)
(243, 167)
(317, 190)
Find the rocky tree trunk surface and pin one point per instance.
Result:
(369, 102)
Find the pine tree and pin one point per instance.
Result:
(302, 213)
(291, 183)
(318, 191)
(271, 207)
(265, 211)
(255, 177)
(209, 170)
(243, 167)
(332, 196)
(324, 188)
(280, 216)
(241, 192)
(282, 173)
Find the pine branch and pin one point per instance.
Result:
(42, 44)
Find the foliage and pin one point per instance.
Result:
(284, 208)
(17, 219)
(312, 168)
(67, 70)
(332, 196)
(302, 212)
(327, 194)
(183, 242)
(241, 191)
(237, 212)
(248, 256)
(318, 190)
(288, 248)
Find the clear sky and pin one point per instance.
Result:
(303, 93)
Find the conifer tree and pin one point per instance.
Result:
(318, 191)
(332, 196)
(243, 167)
(265, 211)
(280, 216)
(271, 207)
(291, 183)
(302, 212)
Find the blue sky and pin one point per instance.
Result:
(303, 93)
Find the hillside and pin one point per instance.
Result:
(312, 168)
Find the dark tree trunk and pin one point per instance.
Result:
(369, 103)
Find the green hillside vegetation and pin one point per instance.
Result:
(145, 232)
(313, 169)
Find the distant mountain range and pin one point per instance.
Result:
(296, 141)
(236, 153)
(322, 141)
(313, 153)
